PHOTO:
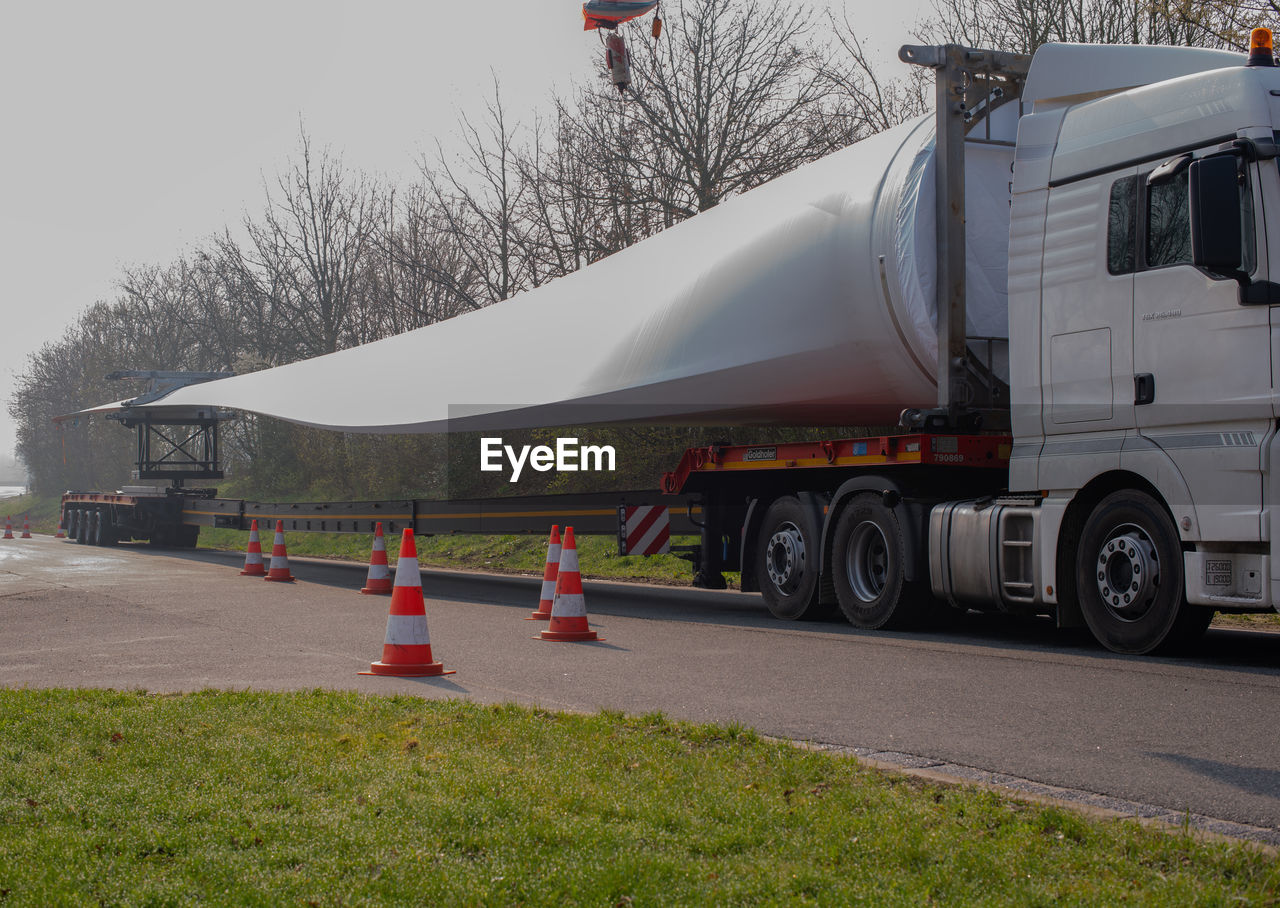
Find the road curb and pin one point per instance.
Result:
(1199, 826)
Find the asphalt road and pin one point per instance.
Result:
(1196, 735)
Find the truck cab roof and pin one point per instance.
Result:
(1063, 74)
(1096, 109)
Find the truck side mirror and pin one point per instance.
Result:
(1216, 240)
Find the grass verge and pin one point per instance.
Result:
(326, 798)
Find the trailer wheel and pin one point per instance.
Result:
(1129, 577)
(86, 527)
(868, 560)
(787, 561)
(72, 522)
(103, 531)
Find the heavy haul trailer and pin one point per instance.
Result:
(173, 516)
(1075, 253)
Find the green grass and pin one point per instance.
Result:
(597, 555)
(337, 798)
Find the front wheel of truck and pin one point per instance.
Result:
(1129, 577)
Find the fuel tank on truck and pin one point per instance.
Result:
(806, 301)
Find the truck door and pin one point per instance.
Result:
(1087, 326)
(1201, 360)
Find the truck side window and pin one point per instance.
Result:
(1169, 222)
(1122, 220)
(1249, 257)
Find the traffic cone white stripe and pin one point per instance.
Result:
(407, 630)
(407, 572)
(568, 560)
(569, 605)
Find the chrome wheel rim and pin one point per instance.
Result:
(1127, 572)
(785, 558)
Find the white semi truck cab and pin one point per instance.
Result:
(1142, 340)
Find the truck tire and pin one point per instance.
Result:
(787, 561)
(104, 533)
(86, 527)
(1129, 577)
(868, 557)
(73, 523)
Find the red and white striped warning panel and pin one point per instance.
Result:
(646, 530)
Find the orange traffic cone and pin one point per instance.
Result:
(26, 527)
(8, 528)
(549, 573)
(569, 608)
(406, 649)
(279, 558)
(62, 525)
(253, 566)
(379, 579)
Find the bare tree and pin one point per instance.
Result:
(563, 211)
(308, 251)
(478, 195)
(1229, 21)
(420, 270)
(864, 101)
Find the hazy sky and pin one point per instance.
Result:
(132, 130)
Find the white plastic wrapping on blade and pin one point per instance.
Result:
(807, 300)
